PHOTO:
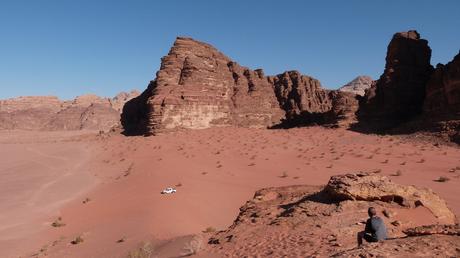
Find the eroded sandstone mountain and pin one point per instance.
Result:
(49, 113)
(312, 221)
(358, 85)
(199, 87)
(399, 93)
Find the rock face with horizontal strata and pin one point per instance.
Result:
(199, 87)
(49, 113)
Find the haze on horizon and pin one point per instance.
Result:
(69, 48)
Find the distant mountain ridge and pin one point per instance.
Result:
(88, 111)
(358, 86)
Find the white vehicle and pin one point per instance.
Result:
(168, 190)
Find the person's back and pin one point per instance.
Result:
(376, 227)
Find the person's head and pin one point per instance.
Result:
(372, 211)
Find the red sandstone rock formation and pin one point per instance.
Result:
(49, 113)
(344, 107)
(314, 221)
(121, 98)
(371, 187)
(27, 113)
(358, 86)
(300, 96)
(93, 117)
(399, 93)
(443, 91)
(199, 87)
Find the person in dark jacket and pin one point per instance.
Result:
(375, 229)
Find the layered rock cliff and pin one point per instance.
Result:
(49, 113)
(399, 93)
(199, 87)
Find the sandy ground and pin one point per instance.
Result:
(39, 173)
(107, 188)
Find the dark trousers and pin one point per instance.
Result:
(366, 236)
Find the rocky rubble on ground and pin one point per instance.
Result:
(49, 113)
(310, 221)
(199, 87)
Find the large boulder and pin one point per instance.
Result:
(372, 187)
(399, 93)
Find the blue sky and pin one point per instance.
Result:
(68, 48)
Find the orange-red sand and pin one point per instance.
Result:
(106, 188)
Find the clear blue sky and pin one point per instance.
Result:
(69, 47)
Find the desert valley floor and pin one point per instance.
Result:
(106, 187)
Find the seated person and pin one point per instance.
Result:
(375, 229)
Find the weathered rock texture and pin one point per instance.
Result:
(199, 87)
(371, 187)
(28, 112)
(358, 86)
(400, 92)
(93, 117)
(312, 221)
(443, 91)
(451, 230)
(49, 113)
(298, 94)
(121, 98)
(344, 108)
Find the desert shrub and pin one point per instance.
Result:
(77, 240)
(58, 223)
(442, 179)
(209, 230)
(397, 173)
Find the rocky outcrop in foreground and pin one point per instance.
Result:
(49, 113)
(371, 187)
(199, 87)
(309, 221)
(358, 86)
(399, 93)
